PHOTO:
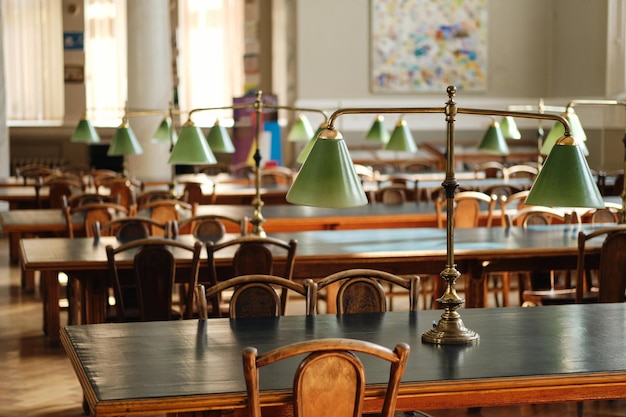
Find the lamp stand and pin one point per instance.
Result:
(450, 329)
(257, 217)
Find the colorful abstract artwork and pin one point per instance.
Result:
(426, 45)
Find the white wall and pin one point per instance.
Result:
(551, 49)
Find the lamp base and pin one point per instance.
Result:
(450, 331)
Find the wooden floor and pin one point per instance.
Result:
(37, 380)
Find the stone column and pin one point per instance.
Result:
(149, 83)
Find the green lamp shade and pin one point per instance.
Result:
(191, 148)
(509, 128)
(304, 153)
(493, 141)
(164, 133)
(85, 133)
(565, 179)
(124, 142)
(557, 131)
(378, 132)
(577, 128)
(219, 140)
(401, 139)
(328, 178)
(301, 131)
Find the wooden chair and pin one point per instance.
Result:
(361, 290)
(153, 279)
(413, 167)
(520, 171)
(538, 216)
(467, 208)
(127, 229)
(91, 213)
(610, 271)
(61, 187)
(609, 215)
(170, 210)
(255, 295)
(126, 188)
(154, 195)
(252, 255)
(392, 194)
(212, 227)
(89, 198)
(193, 193)
(316, 386)
(490, 169)
(274, 176)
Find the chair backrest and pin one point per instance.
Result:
(193, 192)
(89, 198)
(169, 210)
(258, 295)
(274, 176)
(610, 214)
(467, 208)
(212, 227)
(611, 268)
(316, 388)
(416, 167)
(154, 267)
(520, 171)
(253, 255)
(154, 195)
(490, 169)
(361, 290)
(60, 188)
(126, 188)
(127, 229)
(91, 213)
(538, 215)
(392, 194)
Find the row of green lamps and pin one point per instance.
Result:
(191, 147)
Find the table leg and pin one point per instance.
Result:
(476, 285)
(51, 311)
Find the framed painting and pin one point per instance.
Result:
(426, 45)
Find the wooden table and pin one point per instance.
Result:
(524, 356)
(320, 253)
(278, 218)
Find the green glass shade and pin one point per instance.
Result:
(301, 131)
(124, 142)
(565, 179)
(327, 177)
(85, 132)
(401, 139)
(493, 141)
(577, 128)
(509, 128)
(219, 140)
(164, 133)
(557, 131)
(378, 132)
(304, 153)
(191, 148)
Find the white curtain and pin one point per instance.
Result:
(105, 60)
(210, 56)
(33, 62)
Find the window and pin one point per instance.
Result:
(209, 64)
(33, 63)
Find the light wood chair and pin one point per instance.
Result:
(169, 210)
(361, 290)
(126, 188)
(316, 387)
(520, 171)
(467, 210)
(91, 213)
(212, 227)
(252, 255)
(489, 169)
(153, 279)
(254, 296)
